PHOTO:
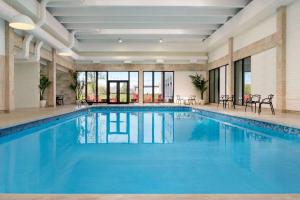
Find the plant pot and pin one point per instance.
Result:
(43, 103)
(202, 102)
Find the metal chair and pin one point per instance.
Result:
(222, 100)
(178, 99)
(267, 101)
(192, 99)
(230, 99)
(252, 100)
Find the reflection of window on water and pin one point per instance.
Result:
(124, 128)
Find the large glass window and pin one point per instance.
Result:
(91, 87)
(242, 80)
(217, 83)
(148, 87)
(134, 87)
(82, 81)
(158, 87)
(94, 86)
(214, 85)
(168, 85)
(102, 87)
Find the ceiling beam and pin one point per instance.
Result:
(149, 32)
(144, 19)
(143, 11)
(156, 3)
(94, 26)
(138, 37)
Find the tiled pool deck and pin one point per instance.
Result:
(26, 115)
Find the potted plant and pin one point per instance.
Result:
(76, 86)
(200, 83)
(44, 83)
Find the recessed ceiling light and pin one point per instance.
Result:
(64, 52)
(127, 62)
(22, 22)
(120, 40)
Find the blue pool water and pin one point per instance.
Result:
(144, 151)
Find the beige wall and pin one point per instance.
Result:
(293, 57)
(2, 63)
(263, 67)
(183, 85)
(26, 85)
(2, 82)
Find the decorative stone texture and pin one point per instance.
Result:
(281, 60)
(230, 68)
(2, 82)
(52, 78)
(9, 69)
(63, 81)
(259, 46)
(44, 72)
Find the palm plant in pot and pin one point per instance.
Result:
(44, 83)
(76, 87)
(200, 83)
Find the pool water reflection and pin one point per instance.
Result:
(126, 127)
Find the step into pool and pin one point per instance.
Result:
(149, 150)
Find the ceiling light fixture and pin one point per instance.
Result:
(65, 52)
(161, 41)
(22, 22)
(120, 40)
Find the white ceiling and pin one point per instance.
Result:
(183, 25)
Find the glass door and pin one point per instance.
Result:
(118, 92)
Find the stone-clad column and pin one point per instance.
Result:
(141, 84)
(9, 69)
(230, 68)
(52, 78)
(281, 60)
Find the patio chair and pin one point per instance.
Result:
(230, 99)
(59, 99)
(222, 100)
(192, 100)
(178, 99)
(267, 101)
(252, 100)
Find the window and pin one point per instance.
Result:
(94, 85)
(217, 83)
(102, 87)
(91, 87)
(82, 81)
(242, 80)
(134, 87)
(158, 87)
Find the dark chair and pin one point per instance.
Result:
(252, 100)
(60, 99)
(230, 99)
(267, 101)
(222, 100)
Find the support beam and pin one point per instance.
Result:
(9, 69)
(281, 60)
(230, 67)
(141, 85)
(52, 78)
